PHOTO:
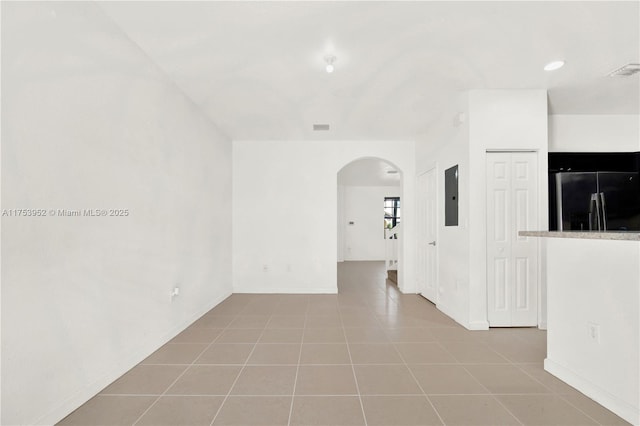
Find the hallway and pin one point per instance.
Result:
(366, 356)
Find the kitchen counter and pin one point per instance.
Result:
(593, 315)
(588, 235)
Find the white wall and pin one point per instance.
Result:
(89, 122)
(596, 281)
(502, 120)
(363, 205)
(491, 120)
(594, 133)
(284, 210)
(447, 145)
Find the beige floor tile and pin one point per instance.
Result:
(205, 380)
(446, 379)
(366, 335)
(182, 410)
(324, 299)
(325, 353)
(544, 410)
(594, 410)
(176, 353)
(325, 380)
(214, 321)
(359, 320)
(294, 299)
(447, 360)
(538, 372)
(197, 335)
(514, 348)
(324, 335)
(425, 353)
(531, 335)
(374, 353)
(291, 309)
(322, 310)
(265, 380)
(399, 410)
(389, 317)
(327, 410)
(441, 320)
(472, 410)
(323, 321)
(452, 333)
(240, 335)
(410, 335)
(385, 380)
(275, 353)
(287, 321)
(249, 321)
(254, 411)
(505, 379)
(348, 307)
(107, 410)
(226, 353)
(260, 308)
(145, 380)
(232, 308)
(281, 335)
(473, 352)
(521, 354)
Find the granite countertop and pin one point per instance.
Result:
(589, 235)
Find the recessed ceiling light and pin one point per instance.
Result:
(329, 59)
(552, 66)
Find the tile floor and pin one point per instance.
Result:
(367, 356)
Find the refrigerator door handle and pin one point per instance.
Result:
(603, 207)
(594, 213)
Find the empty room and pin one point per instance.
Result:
(320, 213)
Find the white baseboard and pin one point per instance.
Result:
(542, 325)
(622, 408)
(450, 313)
(478, 325)
(407, 290)
(285, 290)
(129, 360)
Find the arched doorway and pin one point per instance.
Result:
(369, 217)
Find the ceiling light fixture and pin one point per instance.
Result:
(552, 66)
(329, 59)
(625, 71)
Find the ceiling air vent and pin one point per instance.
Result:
(625, 71)
(320, 127)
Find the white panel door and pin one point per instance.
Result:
(512, 261)
(427, 232)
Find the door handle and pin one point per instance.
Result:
(432, 243)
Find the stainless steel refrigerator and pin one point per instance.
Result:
(594, 201)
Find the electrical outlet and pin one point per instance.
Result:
(175, 293)
(593, 331)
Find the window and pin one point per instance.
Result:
(391, 212)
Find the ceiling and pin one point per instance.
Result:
(369, 172)
(257, 68)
